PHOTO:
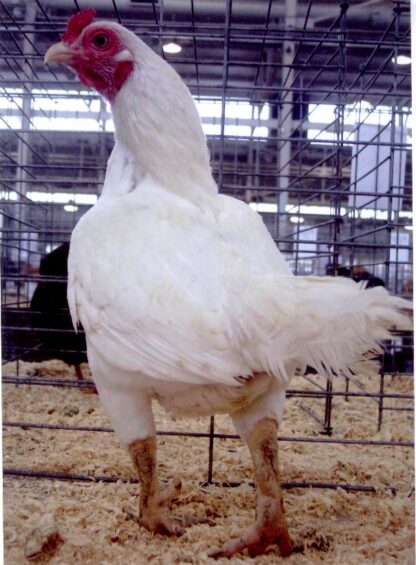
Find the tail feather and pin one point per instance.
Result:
(334, 325)
(352, 322)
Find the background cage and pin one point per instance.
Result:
(306, 106)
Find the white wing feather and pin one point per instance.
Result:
(146, 283)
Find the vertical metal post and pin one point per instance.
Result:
(328, 409)
(381, 398)
(227, 23)
(339, 130)
(211, 449)
(284, 128)
(250, 163)
(392, 266)
(339, 127)
(24, 140)
(160, 25)
(298, 235)
(353, 181)
(347, 388)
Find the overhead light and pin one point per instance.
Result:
(70, 208)
(402, 60)
(8, 195)
(172, 48)
(297, 220)
(365, 105)
(409, 227)
(62, 197)
(264, 207)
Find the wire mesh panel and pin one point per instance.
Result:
(306, 107)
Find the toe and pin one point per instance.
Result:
(258, 547)
(170, 527)
(227, 550)
(170, 491)
(190, 520)
(256, 540)
(163, 525)
(285, 544)
(249, 540)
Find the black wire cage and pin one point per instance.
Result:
(307, 110)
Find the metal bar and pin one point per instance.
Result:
(239, 34)
(311, 414)
(209, 435)
(75, 477)
(289, 393)
(231, 87)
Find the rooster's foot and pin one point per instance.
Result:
(270, 525)
(267, 530)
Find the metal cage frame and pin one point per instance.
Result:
(259, 83)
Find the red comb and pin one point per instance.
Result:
(77, 23)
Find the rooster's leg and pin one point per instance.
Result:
(153, 515)
(78, 371)
(80, 376)
(132, 419)
(270, 525)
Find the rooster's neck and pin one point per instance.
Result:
(159, 126)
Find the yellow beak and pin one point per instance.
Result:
(58, 53)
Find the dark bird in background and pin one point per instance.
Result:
(357, 273)
(360, 273)
(51, 319)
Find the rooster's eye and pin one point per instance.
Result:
(100, 40)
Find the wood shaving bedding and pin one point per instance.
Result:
(91, 522)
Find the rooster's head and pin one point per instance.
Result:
(96, 51)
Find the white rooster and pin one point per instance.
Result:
(182, 292)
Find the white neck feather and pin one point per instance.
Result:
(158, 124)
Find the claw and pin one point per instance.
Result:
(168, 492)
(249, 540)
(285, 545)
(159, 523)
(162, 525)
(190, 520)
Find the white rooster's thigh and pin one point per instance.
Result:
(130, 413)
(268, 405)
(124, 399)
